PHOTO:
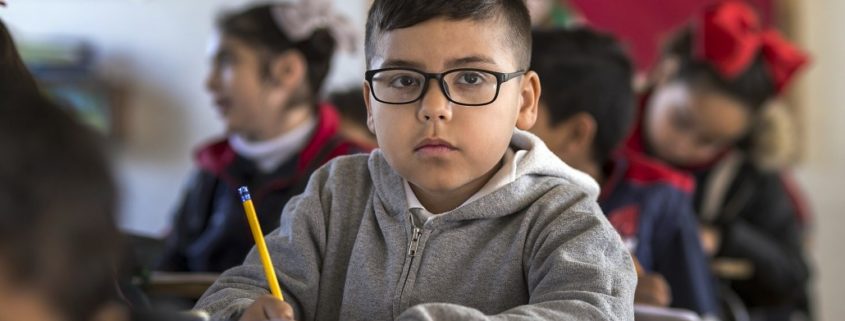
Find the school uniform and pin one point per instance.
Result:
(650, 205)
(761, 219)
(210, 232)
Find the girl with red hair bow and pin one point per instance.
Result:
(702, 114)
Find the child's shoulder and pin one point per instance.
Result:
(352, 168)
(344, 180)
(214, 156)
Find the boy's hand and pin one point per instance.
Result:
(652, 289)
(266, 308)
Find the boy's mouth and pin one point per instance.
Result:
(434, 145)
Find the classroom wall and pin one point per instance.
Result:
(156, 49)
(822, 93)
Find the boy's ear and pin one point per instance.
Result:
(529, 101)
(366, 92)
(582, 131)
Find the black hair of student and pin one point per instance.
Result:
(753, 87)
(583, 71)
(257, 27)
(15, 78)
(57, 200)
(389, 15)
(351, 105)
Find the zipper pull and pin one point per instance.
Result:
(416, 233)
(415, 241)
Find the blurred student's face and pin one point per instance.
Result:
(24, 301)
(687, 127)
(250, 102)
(18, 302)
(441, 148)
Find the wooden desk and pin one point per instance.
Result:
(183, 285)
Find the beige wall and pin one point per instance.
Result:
(821, 27)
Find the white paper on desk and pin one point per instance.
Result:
(652, 313)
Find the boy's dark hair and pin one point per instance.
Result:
(350, 104)
(57, 199)
(753, 87)
(584, 71)
(388, 15)
(257, 27)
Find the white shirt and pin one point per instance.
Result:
(269, 154)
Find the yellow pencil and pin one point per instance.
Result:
(259, 243)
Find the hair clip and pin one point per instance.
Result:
(730, 35)
(299, 21)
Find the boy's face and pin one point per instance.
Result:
(442, 148)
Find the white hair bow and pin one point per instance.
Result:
(299, 21)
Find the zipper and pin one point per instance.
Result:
(415, 241)
(413, 247)
(416, 234)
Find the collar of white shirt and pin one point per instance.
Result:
(505, 176)
(269, 154)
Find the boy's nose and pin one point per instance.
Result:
(434, 104)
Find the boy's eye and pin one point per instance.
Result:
(403, 81)
(472, 78)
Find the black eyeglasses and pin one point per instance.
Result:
(465, 86)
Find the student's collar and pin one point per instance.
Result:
(268, 154)
(505, 175)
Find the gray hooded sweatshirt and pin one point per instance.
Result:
(349, 248)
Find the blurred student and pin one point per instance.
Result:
(56, 197)
(269, 65)
(585, 113)
(58, 240)
(705, 105)
(59, 245)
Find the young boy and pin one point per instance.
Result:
(460, 215)
(585, 113)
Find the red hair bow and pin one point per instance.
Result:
(730, 35)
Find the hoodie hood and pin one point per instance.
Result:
(537, 172)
